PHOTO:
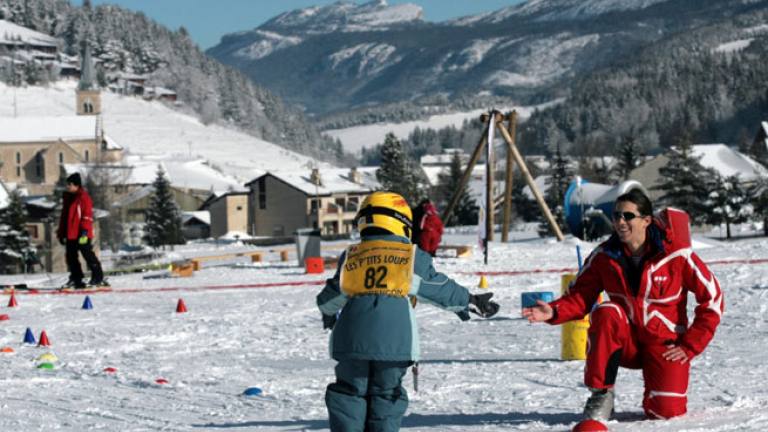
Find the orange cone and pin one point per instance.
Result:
(44, 339)
(12, 302)
(180, 308)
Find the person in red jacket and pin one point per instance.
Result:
(647, 276)
(76, 233)
(431, 228)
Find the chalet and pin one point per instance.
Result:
(196, 224)
(282, 201)
(17, 38)
(723, 159)
(228, 212)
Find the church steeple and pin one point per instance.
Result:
(88, 90)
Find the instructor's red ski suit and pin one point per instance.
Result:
(646, 310)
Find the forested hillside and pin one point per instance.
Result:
(130, 42)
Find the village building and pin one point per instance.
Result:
(228, 213)
(281, 202)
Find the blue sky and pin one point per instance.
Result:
(208, 20)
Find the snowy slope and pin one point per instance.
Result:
(501, 374)
(153, 129)
(355, 138)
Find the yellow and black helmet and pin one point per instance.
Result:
(385, 210)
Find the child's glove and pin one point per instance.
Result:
(482, 305)
(62, 241)
(83, 237)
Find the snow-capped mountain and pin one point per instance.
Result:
(551, 10)
(337, 57)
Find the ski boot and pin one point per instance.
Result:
(599, 406)
(72, 285)
(99, 285)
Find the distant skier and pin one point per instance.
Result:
(375, 338)
(648, 275)
(76, 232)
(431, 229)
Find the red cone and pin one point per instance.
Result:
(12, 302)
(181, 307)
(44, 339)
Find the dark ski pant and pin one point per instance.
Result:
(612, 343)
(367, 396)
(75, 271)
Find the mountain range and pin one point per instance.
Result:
(345, 57)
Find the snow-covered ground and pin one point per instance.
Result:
(153, 129)
(355, 138)
(262, 329)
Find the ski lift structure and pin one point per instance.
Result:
(588, 206)
(507, 132)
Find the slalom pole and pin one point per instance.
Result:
(578, 254)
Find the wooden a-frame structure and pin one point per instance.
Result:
(512, 152)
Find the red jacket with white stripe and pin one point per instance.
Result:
(76, 215)
(654, 295)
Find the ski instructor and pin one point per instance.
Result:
(375, 338)
(76, 233)
(647, 276)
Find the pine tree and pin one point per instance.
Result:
(558, 183)
(163, 219)
(396, 173)
(727, 203)
(628, 156)
(684, 182)
(15, 242)
(758, 198)
(465, 212)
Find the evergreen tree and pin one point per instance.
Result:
(684, 182)
(727, 203)
(628, 157)
(396, 173)
(465, 211)
(758, 198)
(555, 197)
(163, 220)
(15, 241)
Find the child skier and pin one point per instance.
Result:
(375, 338)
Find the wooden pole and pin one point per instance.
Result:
(489, 172)
(457, 193)
(531, 183)
(508, 181)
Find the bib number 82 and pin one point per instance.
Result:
(371, 280)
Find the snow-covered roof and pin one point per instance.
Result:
(334, 181)
(433, 172)
(111, 143)
(202, 215)
(728, 162)
(11, 33)
(134, 196)
(35, 129)
(443, 159)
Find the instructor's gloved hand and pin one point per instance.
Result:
(329, 321)
(62, 241)
(482, 305)
(83, 237)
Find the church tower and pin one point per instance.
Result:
(88, 90)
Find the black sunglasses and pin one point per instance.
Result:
(627, 216)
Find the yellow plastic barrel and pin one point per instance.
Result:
(574, 333)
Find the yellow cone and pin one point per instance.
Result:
(483, 282)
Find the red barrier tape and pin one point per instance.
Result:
(321, 282)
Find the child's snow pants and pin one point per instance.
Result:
(367, 396)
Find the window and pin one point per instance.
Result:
(87, 155)
(61, 157)
(18, 171)
(239, 208)
(18, 157)
(262, 193)
(32, 229)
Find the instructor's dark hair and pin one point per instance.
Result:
(637, 197)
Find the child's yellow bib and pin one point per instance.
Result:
(378, 267)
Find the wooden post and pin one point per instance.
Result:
(531, 183)
(489, 172)
(457, 193)
(509, 181)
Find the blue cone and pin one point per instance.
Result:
(253, 391)
(87, 303)
(29, 337)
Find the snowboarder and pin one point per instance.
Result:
(644, 325)
(375, 336)
(431, 229)
(76, 233)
